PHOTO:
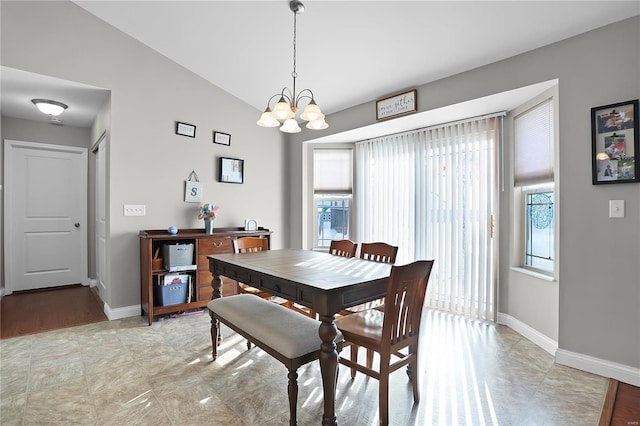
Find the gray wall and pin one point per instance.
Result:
(599, 289)
(148, 162)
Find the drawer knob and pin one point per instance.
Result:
(217, 244)
(277, 288)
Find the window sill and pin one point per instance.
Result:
(539, 275)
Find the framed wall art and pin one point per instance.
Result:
(614, 141)
(397, 105)
(185, 129)
(231, 170)
(222, 138)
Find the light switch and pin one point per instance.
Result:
(616, 208)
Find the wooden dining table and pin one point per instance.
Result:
(320, 281)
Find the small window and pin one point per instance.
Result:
(539, 211)
(332, 194)
(332, 214)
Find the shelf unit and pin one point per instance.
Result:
(221, 241)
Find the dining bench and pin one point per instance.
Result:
(288, 336)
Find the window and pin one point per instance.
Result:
(534, 174)
(332, 194)
(540, 229)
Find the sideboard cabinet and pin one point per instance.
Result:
(152, 273)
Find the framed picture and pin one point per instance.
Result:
(222, 138)
(231, 170)
(614, 142)
(397, 105)
(185, 129)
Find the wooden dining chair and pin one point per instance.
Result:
(250, 245)
(254, 244)
(344, 248)
(376, 252)
(394, 333)
(379, 252)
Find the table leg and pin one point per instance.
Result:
(328, 367)
(216, 335)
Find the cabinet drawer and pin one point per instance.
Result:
(214, 246)
(275, 286)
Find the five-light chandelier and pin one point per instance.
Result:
(289, 101)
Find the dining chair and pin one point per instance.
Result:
(344, 248)
(379, 252)
(394, 333)
(254, 244)
(250, 245)
(376, 252)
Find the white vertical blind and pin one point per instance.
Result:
(432, 193)
(534, 145)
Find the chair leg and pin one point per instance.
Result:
(414, 375)
(248, 344)
(383, 392)
(354, 358)
(369, 358)
(293, 397)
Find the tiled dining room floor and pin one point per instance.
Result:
(126, 373)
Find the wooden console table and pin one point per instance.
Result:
(221, 241)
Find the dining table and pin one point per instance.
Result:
(318, 280)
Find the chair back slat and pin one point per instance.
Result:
(344, 248)
(379, 252)
(405, 298)
(250, 244)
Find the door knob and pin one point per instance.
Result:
(77, 225)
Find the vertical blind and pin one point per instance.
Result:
(432, 192)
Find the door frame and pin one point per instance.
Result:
(9, 145)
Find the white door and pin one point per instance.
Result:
(101, 216)
(45, 215)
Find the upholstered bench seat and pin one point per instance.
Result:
(286, 335)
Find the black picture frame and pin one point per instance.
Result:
(222, 138)
(185, 129)
(231, 170)
(615, 143)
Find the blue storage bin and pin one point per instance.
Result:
(174, 289)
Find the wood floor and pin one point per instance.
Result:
(35, 311)
(621, 406)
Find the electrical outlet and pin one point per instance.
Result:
(135, 210)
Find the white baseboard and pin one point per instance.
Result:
(119, 313)
(545, 342)
(93, 282)
(587, 363)
(1, 292)
(598, 366)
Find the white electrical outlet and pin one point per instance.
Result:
(616, 208)
(135, 210)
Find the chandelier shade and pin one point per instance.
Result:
(284, 111)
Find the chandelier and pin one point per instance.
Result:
(288, 103)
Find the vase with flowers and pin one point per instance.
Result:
(208, 212)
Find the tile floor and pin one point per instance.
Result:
(127, 373)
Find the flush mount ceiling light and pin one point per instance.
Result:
(49, 107)
(289, 101)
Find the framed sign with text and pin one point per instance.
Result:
(397, 105)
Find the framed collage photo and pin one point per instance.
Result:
(231, 170)
(614, 134)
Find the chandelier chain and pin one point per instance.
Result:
(294, 74)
